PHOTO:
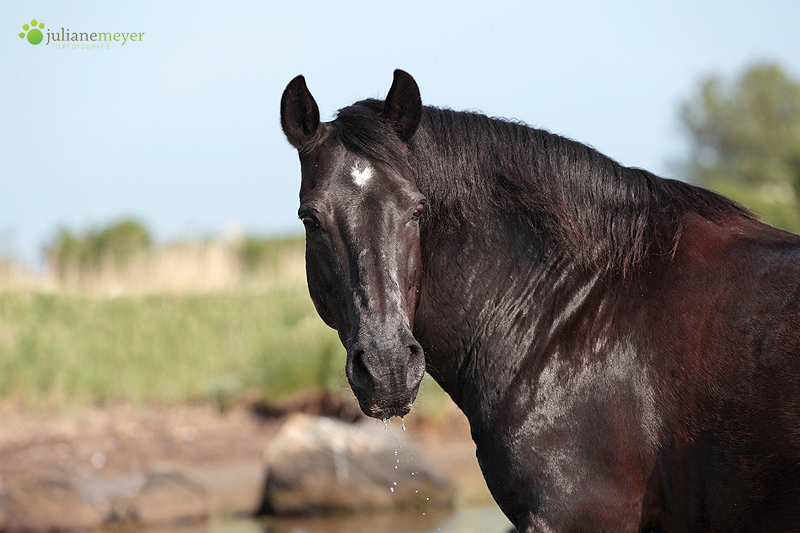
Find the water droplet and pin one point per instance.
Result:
(394, 483)
(391, 489)
(403, 423)
(386, 424)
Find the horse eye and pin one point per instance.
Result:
(418, 211)
(309, 222)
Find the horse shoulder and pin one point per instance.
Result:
(736, 281)
(723, 321)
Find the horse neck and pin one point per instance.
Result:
(496, 283)
(493, 295)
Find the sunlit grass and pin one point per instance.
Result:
(57, 348)
(259, 337)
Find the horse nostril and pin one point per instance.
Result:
(416, 365)
(360, 374)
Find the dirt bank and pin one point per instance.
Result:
(113, 449)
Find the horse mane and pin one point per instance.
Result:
(604, 215)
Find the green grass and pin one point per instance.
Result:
(56, 348)
(60, 351)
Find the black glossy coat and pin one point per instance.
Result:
(626, 348)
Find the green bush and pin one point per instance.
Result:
(115, 244)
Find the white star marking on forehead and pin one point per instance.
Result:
(361, 177)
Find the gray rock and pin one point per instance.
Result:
(234, 488)
(321, 465)
(45, 505)
(166, 498)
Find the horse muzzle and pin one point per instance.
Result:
(385, 373)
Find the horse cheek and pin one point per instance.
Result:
(324, 300)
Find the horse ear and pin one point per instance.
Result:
(299, 112)
(403, 106)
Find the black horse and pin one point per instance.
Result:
(626, 348)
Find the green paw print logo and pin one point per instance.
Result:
(34, 33)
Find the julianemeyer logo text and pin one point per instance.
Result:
(66, 39)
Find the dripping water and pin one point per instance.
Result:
(389, 427)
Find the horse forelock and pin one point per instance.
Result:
(362, 130)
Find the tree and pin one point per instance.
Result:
(745, 136)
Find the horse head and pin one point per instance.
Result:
(362, 209)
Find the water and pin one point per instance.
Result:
(388, 426)
(485, 519)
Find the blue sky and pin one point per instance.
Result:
(181, 130)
